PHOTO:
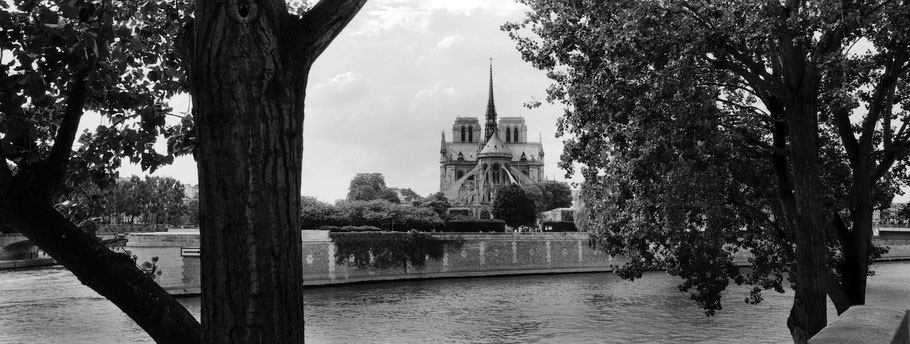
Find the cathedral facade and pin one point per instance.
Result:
(478, 161)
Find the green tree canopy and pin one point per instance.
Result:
(702, 128)
(371, 186)
(439, 203)
(158, 200)
(514, 206)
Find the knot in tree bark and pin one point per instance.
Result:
(243, 11)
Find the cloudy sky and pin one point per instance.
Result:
(398, 75)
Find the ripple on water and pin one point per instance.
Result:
(49, 305)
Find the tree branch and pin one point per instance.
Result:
(877, 105)
(837, 294)
(66, 134)
(758, 112)
(6, 175)
(751, 78)
(891, 155)
(845, 129)
(323, 23)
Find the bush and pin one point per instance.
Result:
(476, 226)
(350, 229)
(376, 213)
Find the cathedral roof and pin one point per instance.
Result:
(495, 147)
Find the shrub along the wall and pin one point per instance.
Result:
(350, 229)
(476, 226)
(376, 213)
(389, 249)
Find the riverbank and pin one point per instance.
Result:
(477, 255)
(26, 263)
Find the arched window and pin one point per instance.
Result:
(496, 174)
(515, 135)
(462, 133)
(459, 174)
(508, 135)
(470, 133)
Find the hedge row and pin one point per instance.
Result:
(377, 213)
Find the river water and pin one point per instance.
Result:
(49, 305)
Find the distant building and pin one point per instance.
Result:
(475, 164)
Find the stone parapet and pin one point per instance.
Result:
(865, 324)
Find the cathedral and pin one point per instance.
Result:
(475, 164)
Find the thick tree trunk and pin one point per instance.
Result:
(856, 251)
(808, 315)
(249, 115)
(112, 275)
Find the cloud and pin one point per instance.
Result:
(341, 80)
(381, 16)
(431, 92)
(447, 41)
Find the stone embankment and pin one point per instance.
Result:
(480, 254)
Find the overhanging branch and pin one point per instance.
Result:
(66, 134)
(323, 23)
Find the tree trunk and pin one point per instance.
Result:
(248, 63)
(856, 252)
(112, 275)
(808, 315)
(249, 117)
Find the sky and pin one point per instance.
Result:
(397, 76)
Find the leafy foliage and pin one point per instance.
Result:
(377, 213)
(157, 200)
(118, 56)
(548, 195)
(371, 186)
(439, 203)
(383, 250)
(513, 206)
(694, 124)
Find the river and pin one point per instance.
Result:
(49, 305)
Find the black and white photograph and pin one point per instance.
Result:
(454, 171)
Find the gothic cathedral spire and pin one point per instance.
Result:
(491, 110)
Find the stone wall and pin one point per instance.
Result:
(178, 258)
(865, 324)
(482, 254)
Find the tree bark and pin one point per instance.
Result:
(856, 251)
(808, 315)
(248, 85)
(112, 275)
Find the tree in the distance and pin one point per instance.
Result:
(439, 203)
(371, 186)
(790, 109)
(155, 200)
(513, 206)
(560, 194)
